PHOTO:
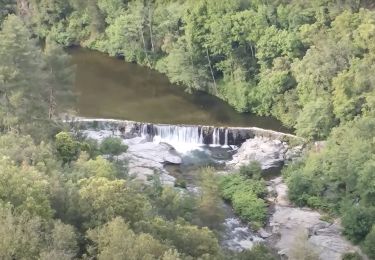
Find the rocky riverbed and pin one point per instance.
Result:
(287, 222)
(146, 158)
(268, 152)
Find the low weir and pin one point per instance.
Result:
(190, 134)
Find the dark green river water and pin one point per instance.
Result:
(111, 88)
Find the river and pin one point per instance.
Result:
(111, 88)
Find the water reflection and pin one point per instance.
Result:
(111, 88)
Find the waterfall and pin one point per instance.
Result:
(143, 130)
(216, 137)
(226, 133)
(178, 134)
(201, 137)
(186, 137)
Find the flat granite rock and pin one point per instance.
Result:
(144, 158)
(269, 153)
(287, 222)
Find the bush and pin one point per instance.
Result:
(245, 195)
(113, 146)
(253, 170)
(90, 146)
(232, 183)
(352, 256)
(250, 208)
(258, 252)
(369, 243)
(357, 222)
(67, 148)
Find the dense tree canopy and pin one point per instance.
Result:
(308, 63)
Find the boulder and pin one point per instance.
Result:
(286, 222)
(269, 153)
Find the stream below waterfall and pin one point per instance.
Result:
(111, 88)
(235, 234)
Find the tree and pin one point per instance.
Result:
(62, 243)
(23, 104)
(113, 146)
(210, 213)
(316, 120)
(25, 188)
(60, 80)
(98, 167)
(67, 148)
(186, 238)
(21, 236)
(357, 222)
(102, 199)
(369, 243)
(115, 240)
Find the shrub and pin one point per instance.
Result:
(253, 170)
(113, 146)
(250, 208)
(67, 148)
(245, 195)
(259, 251)
(357, 222)
(369, 243)
(352, 256)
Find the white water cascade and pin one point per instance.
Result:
(226, 133)
(178, 134)
(185, 137)
(216, 137)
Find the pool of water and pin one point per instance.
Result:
(111, 88)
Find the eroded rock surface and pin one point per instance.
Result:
(268, 152)
(144, 158)
(287, 222)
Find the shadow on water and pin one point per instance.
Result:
(111, 88)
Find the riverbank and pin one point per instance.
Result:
(294, 229)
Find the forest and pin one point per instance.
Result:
(309, 64)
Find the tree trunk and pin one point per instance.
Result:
(52, 104)
(212, 72)
(144, 44)
(150, 19)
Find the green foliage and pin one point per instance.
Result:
(316, 120)
(271, 58)
(209, 208)
(357, 221)
(24, 236)
(98, 167)
(250, 208)
(369, 243)
(115, 240)
(246, 194)
(113, 146)
(102, 199)
(307, 63)
(258, 252)
(252, 171)
(25, 188)
(339, 177)
(234, 182)
(67, 148)
(173, 204)
(188, 239)
(352, 256)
